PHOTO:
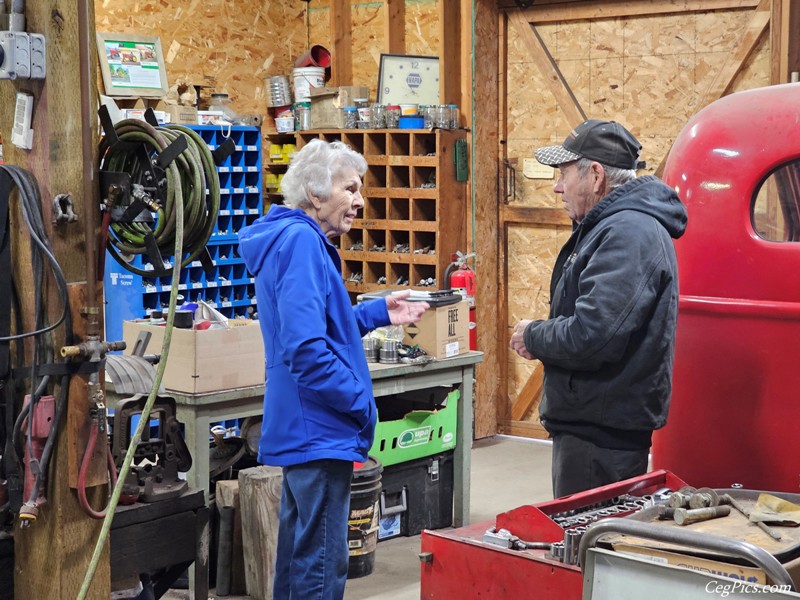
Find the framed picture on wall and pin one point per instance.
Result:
(408, 79)
(132, 65)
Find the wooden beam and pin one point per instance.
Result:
(529, 215)
(52, 555)
(524, 429)
(395, 26)
(784, 59)
(529, 395)
(449, 52)
(547, 65)
(342, 51)
(484, 143)
(545, 11)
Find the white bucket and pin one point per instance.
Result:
(306, 78)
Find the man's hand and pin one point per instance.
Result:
(517, 343)
(401, 311)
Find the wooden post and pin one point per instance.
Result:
(260, 498)
(52, 555)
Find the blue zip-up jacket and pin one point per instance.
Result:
(318, 402)
(609, 343)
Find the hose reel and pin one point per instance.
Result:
(144, 170)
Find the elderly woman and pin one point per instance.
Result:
(319, 411)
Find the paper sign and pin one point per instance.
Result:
(533, 169)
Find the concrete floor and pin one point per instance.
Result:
(506, 472)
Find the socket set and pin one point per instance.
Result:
(576, 521)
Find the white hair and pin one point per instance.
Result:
(615, 176)
(313, 169)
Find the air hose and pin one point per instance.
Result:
(194, 172)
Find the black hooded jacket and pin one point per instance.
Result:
(608, 344)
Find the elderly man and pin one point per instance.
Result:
(608, 344)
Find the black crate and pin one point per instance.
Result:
(417, 495)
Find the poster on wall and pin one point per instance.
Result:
(132, 65)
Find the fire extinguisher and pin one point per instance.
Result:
(462, 280)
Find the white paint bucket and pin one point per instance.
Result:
(306, 78)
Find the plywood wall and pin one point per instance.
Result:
(227, 46)
(645, 72)
(233, 46)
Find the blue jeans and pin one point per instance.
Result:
(312, 552)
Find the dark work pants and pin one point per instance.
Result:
(580, 465)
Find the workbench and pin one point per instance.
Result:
(198, 411)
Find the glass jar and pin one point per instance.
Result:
(427, 114)
(441, 116)
(455, 121)
(350, 117)
(377, 116)
(393, 116)
(362, 108)
(302, 116)
(222, 103)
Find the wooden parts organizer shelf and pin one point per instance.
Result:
(411, 200)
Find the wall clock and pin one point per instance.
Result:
(408, 79)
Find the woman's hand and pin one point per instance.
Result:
(401, 311)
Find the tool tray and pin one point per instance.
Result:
(735, 525)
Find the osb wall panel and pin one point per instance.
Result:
(532, 250)
(231, 46)
(646, 72)
(234, 46)
(368, 19)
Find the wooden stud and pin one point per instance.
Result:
(52, 555)
(342, 51)
(449, 52)
(395, 26)
(490, 391)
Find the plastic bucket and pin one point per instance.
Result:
(362, 522)
(305, 79)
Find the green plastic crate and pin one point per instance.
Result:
(418, 434)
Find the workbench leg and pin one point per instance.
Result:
(461, 458)
(196, 432)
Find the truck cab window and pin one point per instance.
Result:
(775, 211)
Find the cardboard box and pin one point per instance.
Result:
(209, 117)
(717, 568)
(442, 332)
(418, 434)
(327, 105)
(206, 361)
(181, 115)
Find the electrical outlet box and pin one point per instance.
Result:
(38, 55)
(15, 55)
